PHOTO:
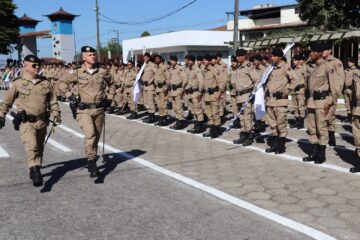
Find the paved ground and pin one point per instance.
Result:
(130, 201)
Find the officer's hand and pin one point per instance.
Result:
(57, 120)
(326, 109)
(72, 98)
(2, 122)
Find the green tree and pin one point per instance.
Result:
(330, 14)
(9, 27)
(145, 34)
(114, 47)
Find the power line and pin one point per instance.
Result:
(149, 20)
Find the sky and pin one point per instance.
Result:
(203, 14)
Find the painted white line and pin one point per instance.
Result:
(3, 153)
(50, 141)
(59, 145)
(302, 228)
(282, 156)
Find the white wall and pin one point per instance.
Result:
(170, 42)
(288, 15)
(29, 47)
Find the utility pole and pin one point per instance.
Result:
(236, 26)
(97, 31)
(117, 39)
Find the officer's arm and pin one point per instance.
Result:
(334, 86)
(184, 78)
(200, 78)
(53, 103)
(293, 79)
(8, 100)
(220, 83)
(64, 83)
(111, 84)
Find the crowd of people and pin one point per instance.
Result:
(209, 90)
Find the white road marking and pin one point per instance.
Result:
(59, 145)
(3, 153)
(297, 226)
(283, 156)
(50, 141)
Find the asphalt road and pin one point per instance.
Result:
(128, 201)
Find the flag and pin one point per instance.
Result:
(137, 85)
(259, 103)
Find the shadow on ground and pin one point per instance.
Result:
(108, 163)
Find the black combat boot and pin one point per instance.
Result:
(133, 115)
(111, 110)
(273, 146)
(94, 171)
(236, 124)
(295, 124)
(208, 134)
(262, 126)
(178, 125)
(215, 131)
(165, 121)
(356, 167)
(242, 138)
(348, 118)
(248, 141)
(190, 116)
(35, 176)
(332, 140)
(314, 154)
(300, 123)
(281, 145)
(58, 98)
(194, 129)
(151, 118)
(321, 155)
(63, 99)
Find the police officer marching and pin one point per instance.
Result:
(92, 81)
(35, 97)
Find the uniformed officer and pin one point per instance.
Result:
(322, 94)
(233, 74)
(212, 89)
(243, 84)
(256, 74)
(161, 90)
(177, 81)
(276, 92)
(298, 94)
(34, 97)
(355, 91)
(352, 72)
(222, 68)
(92, 81)
(194, 91)
(148, 81)
(337, 65)
(128, 85)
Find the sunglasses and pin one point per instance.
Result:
(36, 65)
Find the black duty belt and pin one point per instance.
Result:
(174, 87)
(300, 86)
(160, 84)
(276, 95)
(245, 91)
(146, 83)
(320, 95)
(83, 106)
(129, 86)
(32, 118)
(191, 90)
(212, 90)
(356, 103)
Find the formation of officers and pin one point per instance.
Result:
(315, 82)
